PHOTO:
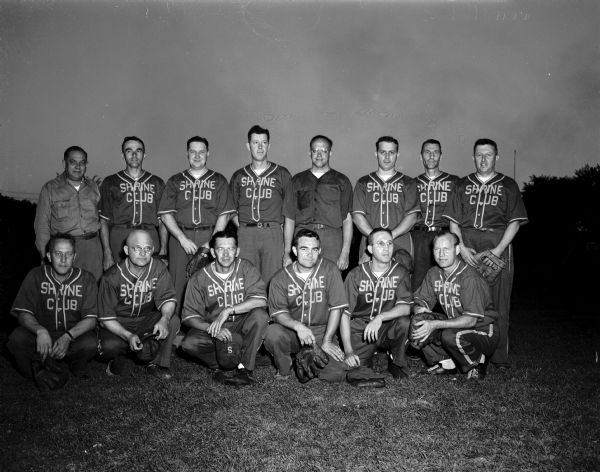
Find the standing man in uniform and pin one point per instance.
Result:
(386, 199)
(56, 309)
(258, 192)
(306, 299)
(320, 200)
(379, 303)
(434, 188)
(486, 212)
(68, 204)
(129, 200)
(468, 330)
(195, 204)
(225, 310)
(136, 298)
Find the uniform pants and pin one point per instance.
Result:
(22, 344)
(200, 345)
(466, 345)
(331, 241)
(89, 256)
(501, 289)
(263, 247)
(112, 346)
(423, 257)
(401, 242)
(119, 234)
(282, 342)
(178, 260)
(393, 336)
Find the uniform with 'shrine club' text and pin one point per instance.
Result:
(208, 293)
(483, 210)
(463, 292)
(196, 204)
(127, 203)
(434, 194)
(135, 302)
(385, 203)
(309, 301)
(58, 307)
(258, 199)
(369, 295)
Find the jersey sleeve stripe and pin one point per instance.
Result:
(279, 312)
(174, 300)
(476, 315)
(338, 307)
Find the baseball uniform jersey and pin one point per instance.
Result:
(207, 293)
(124, 296)
(308, 301)
(57, 306)
(434, 194)
(259, 203)
(385, 203)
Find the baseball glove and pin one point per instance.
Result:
(50, 374)
(489, 265)
(434, 336)
(308, 362)
(150, 347)
(199, 260)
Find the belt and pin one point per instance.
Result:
(261, 225)
(87, 235)
(132, 226)
(196, 228)
(314, 226)
(233, 317)
(421, 227)
(488, 230)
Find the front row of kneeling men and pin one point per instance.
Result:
(225, 315)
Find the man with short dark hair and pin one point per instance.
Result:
(468, 331)
(225, 310)
(136, 301)
(56, 309)
(379, 302)
(258, 191)
(306, 299)
(129, 200)
(68, 204)
(196, 203)
(434, 188)
(386, 199)
(320, 199)
(486, 212)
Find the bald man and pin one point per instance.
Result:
(136, 297)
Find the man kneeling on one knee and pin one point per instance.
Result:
(224, 308)
(466, 334)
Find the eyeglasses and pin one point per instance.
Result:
(384, 244)
(142, 251)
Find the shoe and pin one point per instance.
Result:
(396, 371)
(439, 370)
(367, 383)
(477, 373)
(240, 377)
(116, 366)
(281, 378)
(219, 375)
(158, 372)
(502, 369)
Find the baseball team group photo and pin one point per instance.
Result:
(345, 290)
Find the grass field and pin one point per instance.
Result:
(544, 415)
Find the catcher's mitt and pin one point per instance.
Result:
(50, 374)
(308, 362)
(434, 336)
(199, 260)
(150, 347)
(489, 265)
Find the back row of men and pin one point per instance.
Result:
(269, 207)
